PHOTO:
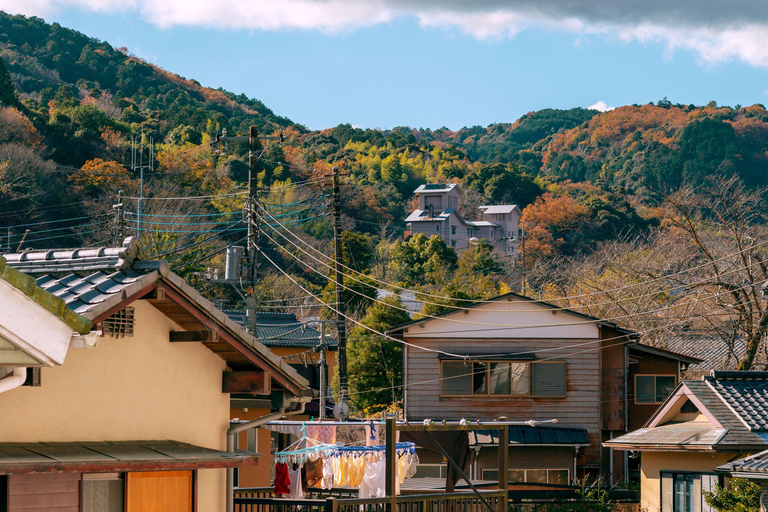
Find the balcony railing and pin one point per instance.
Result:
(448, 502)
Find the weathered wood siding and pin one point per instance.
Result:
(580, 408)
(649, 364)
(613, 377)
(59, 492)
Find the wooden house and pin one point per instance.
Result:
(136, 419)
(703, 424)
(524, 359)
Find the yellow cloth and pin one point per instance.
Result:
(402, 468)
(356, 471)
(337, 461)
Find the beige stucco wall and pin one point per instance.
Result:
(135, 388)
(653, 463)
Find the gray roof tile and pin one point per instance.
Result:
(284, 330)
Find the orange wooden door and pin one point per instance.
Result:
(159, 491)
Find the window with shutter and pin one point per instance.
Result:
(548, 379)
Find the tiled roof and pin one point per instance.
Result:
(757, 463)
(738, 401)
(746, 394)
(43, 297)
(284, 330)
(92, 288)
(713, 350)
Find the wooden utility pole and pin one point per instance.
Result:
(253, 228)
(119, 219)
(341, 325)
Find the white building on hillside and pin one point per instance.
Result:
(438, 214)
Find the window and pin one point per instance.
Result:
(453, 230)
(453, 243)
(539, 476)
(483, 378)
(653, 389)
(682, 492)
(103, 492)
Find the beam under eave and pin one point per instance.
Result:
(193, 336)
(256, 382)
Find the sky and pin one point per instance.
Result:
(436, 63)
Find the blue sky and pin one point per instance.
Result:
(425, 66)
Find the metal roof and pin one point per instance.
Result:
(532, 436)
(108, 457)
(435, 187)
(498, 208)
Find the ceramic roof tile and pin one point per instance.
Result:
(757, 463)
(284, 330)
(43, 298)
(746, 394)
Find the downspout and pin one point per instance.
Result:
(232, 434)
(13, 381)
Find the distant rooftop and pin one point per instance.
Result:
(435, 187)
(499, 208)
(284, 330)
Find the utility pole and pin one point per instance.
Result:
(521, 257)
(340, 319)
(252, 212)
(253, 228)
(323, 371)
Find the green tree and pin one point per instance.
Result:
(375, 364)
(7, 92)
(422, 260)
(740, 496)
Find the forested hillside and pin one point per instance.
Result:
(77, 116)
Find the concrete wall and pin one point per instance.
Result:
(135, 388)
(653, 463)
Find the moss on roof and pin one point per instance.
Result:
(49, 301)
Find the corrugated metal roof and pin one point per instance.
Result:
(532, 436)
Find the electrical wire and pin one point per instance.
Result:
(452, 299)
(501, 326)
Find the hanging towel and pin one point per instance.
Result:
(282, 480)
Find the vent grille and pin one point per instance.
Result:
(120, 324)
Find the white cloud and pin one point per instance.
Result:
(717, 31)
(601, 106)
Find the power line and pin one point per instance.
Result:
(500, 326)
(452, 299)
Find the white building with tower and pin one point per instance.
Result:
(438, 214)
